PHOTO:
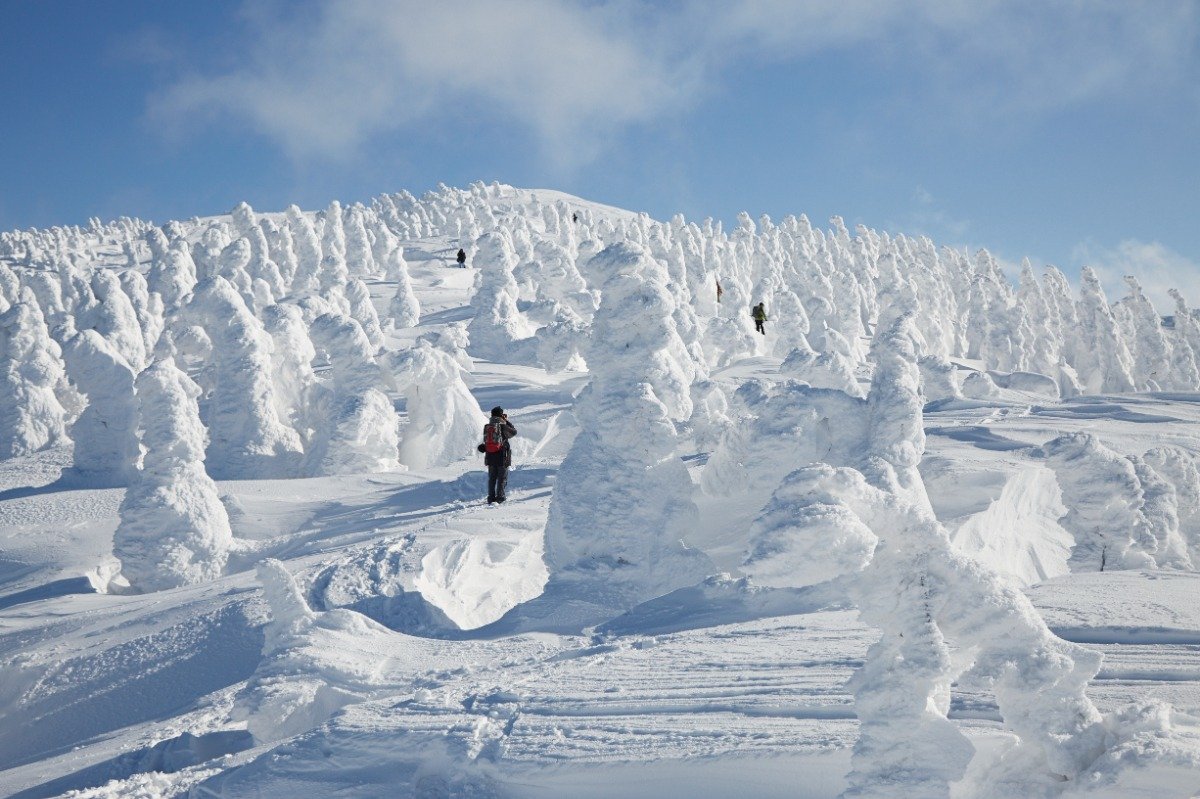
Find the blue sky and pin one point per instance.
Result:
(1063, 131)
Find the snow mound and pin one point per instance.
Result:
(476, 582)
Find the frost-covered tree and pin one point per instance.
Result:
(104, 434)
(174, 530)
(281, 249)
(1160, 508)
(47, 289)
(559, 281)
(1181, 469)
(444, 419)
(823, 523)
(1042, 333)
(233, 267)
(404, 309)
(157, 242)
(115, 318)
(383, 246)
(729, 336)
(78, 298)
(496, 324)
(360, 259)
(147, 307)
(671, 370)
(1123, 511)
(1185, 343)
(307, 278)
(206, 252)
(362, 310)
(896, 437)
(938, 379)
(1149, 349)
(622, 503)
(791, 322)
(173, 276)
(10, 286)
(358, 426)
(31, 367)
(453, 341)
(822, 370)
(710, 414)
(296, 386)
(1103, 496)
(1103, 359)
(262, 267)
(247, 438)
(243, 217)
(560, 343)
(333, 249)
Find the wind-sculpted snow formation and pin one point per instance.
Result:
(293, 345)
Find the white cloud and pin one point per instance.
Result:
(326, 78)
(994, 61)
(1156, 266)
(355, 68)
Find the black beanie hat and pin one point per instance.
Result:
(497, 411)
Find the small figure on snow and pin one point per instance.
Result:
(461, 258)
(720, 291)
(574, 217)
(497, 453)
(759, 312)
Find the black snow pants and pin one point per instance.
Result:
(758, 326)
(497, 481)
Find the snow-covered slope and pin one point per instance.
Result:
(933, 534)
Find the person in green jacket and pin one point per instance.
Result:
(759, 312)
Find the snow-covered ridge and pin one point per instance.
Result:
(819, 284)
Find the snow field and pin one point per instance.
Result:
(358, 621)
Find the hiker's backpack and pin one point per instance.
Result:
(493, 436)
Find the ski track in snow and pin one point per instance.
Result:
(686, 700)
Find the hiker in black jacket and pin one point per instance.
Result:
(497, 453)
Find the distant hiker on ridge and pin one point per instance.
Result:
(759, 312)
(497, 454)
(461, 257)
